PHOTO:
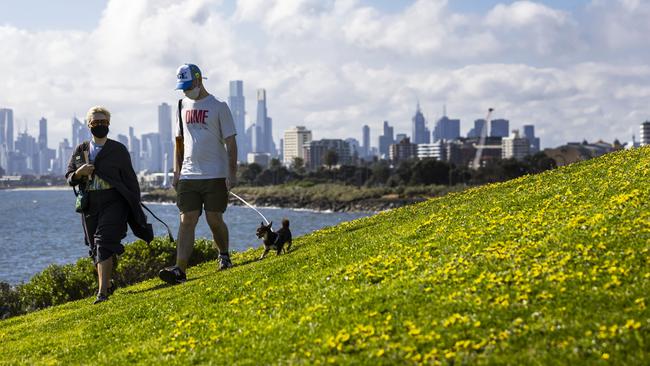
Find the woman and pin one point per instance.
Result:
(102, 169)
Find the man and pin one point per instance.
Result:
(205, 168)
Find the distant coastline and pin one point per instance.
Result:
(323, 197)
(37, 188)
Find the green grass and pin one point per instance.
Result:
(545, 269)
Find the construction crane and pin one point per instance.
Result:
(484, 131)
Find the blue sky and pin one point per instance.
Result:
(85, 14)
(576, 69)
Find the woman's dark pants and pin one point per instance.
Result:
(105, 223)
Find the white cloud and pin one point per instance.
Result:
(336, 65)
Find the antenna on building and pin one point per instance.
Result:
(444, 110)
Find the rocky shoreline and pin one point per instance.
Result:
(363, 205)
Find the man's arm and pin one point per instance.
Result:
(231, 147)
(179, 152)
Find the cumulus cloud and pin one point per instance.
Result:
(338, 64)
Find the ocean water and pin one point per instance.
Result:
(40, 227)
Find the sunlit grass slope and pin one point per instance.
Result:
(545, 269)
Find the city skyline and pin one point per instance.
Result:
(574, 70)
(27, 154)
(166, 124)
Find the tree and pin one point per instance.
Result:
(330, 158)
(248, 173)
(275, 164)
(430, 171)
(361, 176)
(298, 165)
(2, 172)
(539, 162)
(404, 171)
(380, 173)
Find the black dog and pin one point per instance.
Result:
(275, 240)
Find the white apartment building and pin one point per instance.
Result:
(645, 133)
(295, 141)
(435, 150)
(515, 146)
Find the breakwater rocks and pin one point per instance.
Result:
(369, 204)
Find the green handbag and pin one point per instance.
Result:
(81, 203)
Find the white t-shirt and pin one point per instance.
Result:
(206, 124)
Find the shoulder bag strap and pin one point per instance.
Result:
(85, 147)
(180, 116)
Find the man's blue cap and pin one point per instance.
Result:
(185, 75)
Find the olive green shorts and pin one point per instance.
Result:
(194, 194)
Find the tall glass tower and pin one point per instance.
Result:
(237, 105)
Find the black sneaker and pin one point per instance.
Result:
(100, 298)
(172, 275)
(224, 262)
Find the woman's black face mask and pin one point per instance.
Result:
(99, 131)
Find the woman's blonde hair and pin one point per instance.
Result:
(97, 109)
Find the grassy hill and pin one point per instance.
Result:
(545, 269)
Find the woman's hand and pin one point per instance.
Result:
(86, 169)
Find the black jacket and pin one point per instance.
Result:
(113, 164)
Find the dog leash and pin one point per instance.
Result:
(249, 205)
(169, 232)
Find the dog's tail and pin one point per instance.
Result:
(285, 223)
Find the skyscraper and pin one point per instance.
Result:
(151, 152)
(269, 137)
(44, 156)
(355, 148)
(42, 134)
(265, 124)
(529, 134)
(366, 141)
(446, 129)
(261, 141)
(420, 132)
(386, 140)
(237, 104)
(134, 151)
(165, 131)
(257, 138)
(80, 132)
(250, 131)
(64, 153)
(479, 125)
(499, 127)
(3, 127)
(26, 154)
(75, 131)
(123, 139)
(295, 141)
(7, 128)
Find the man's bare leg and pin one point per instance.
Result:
(219, 230)
(186, 238)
